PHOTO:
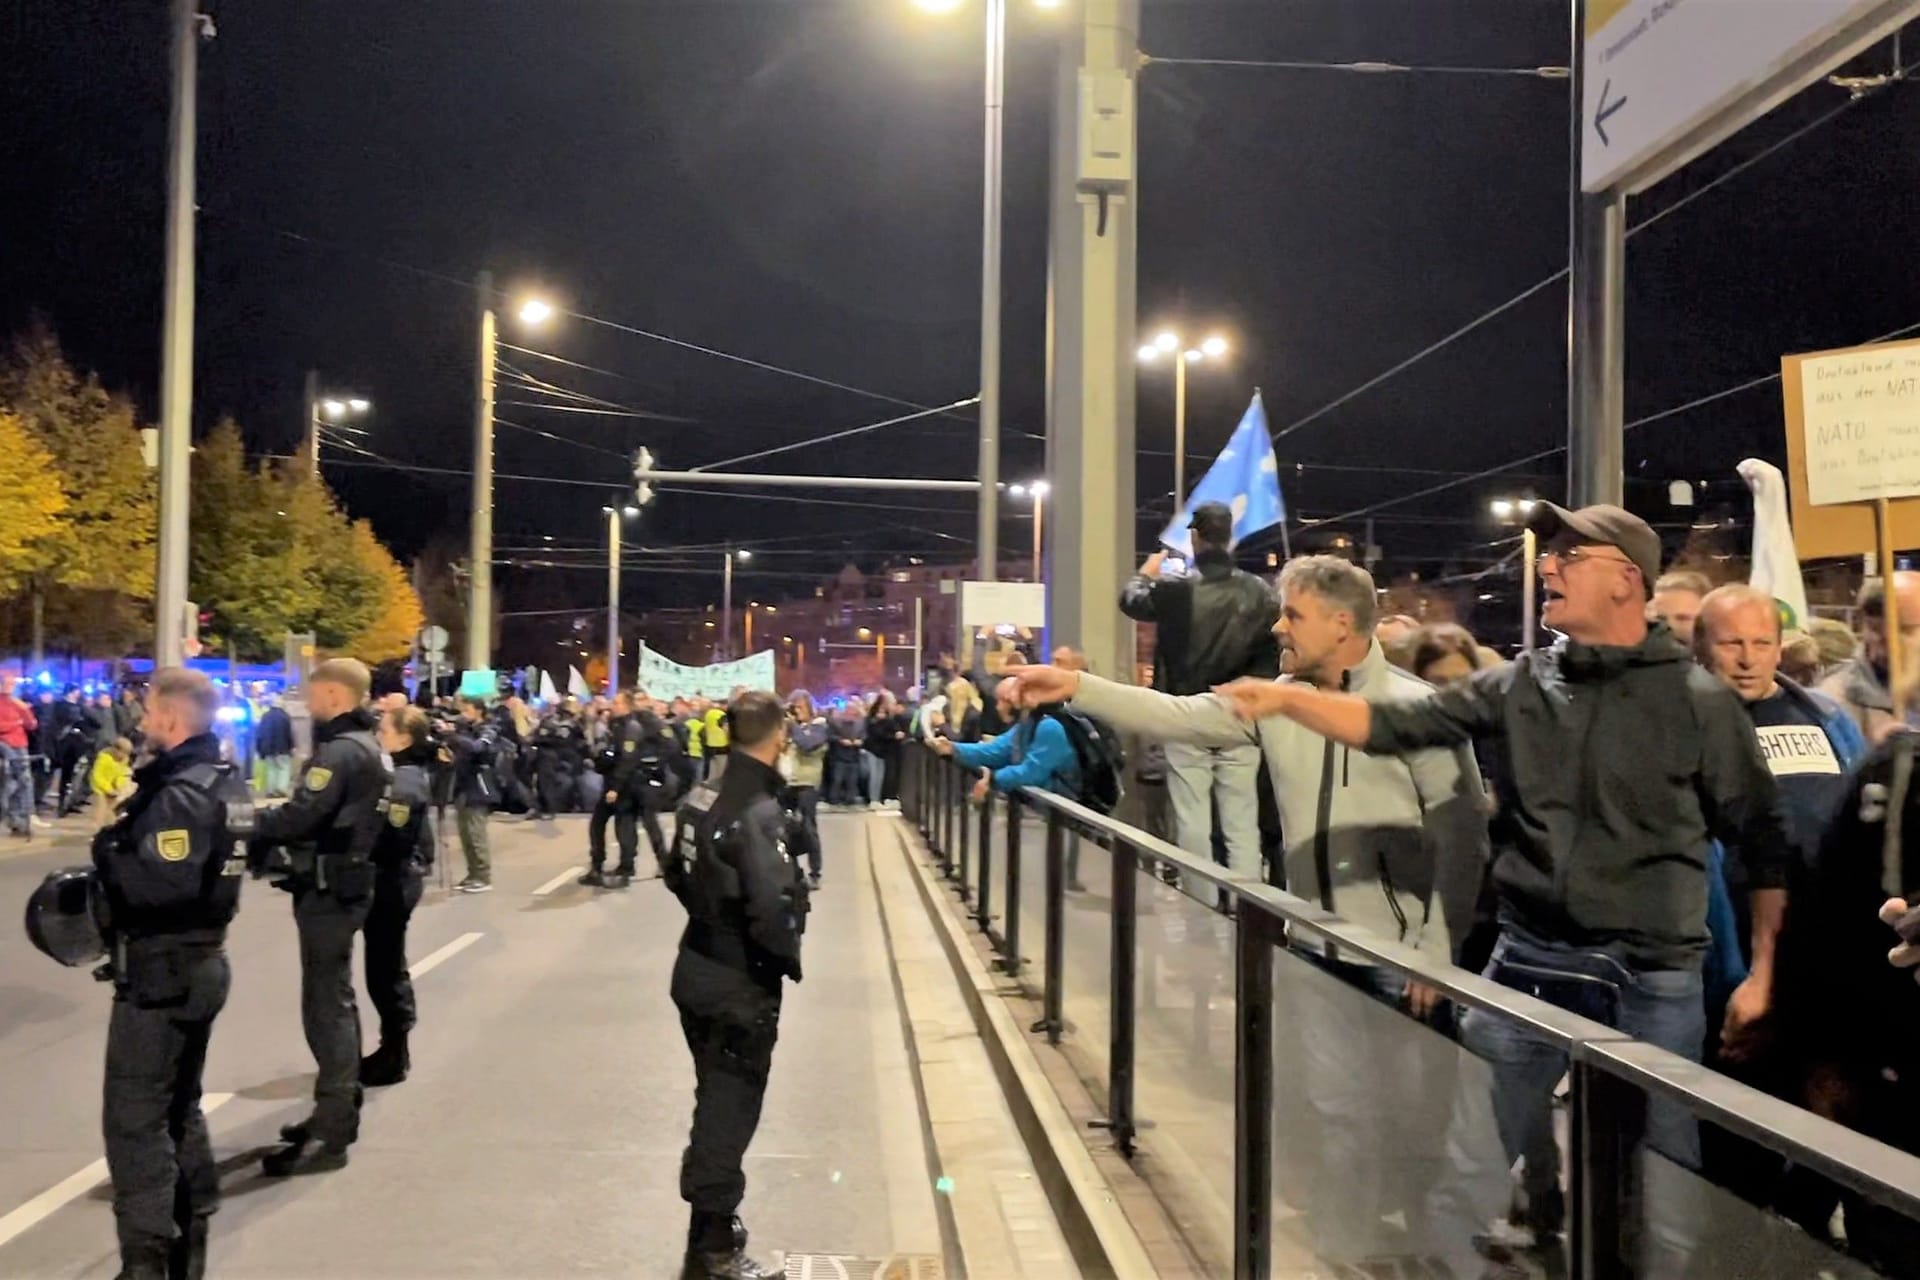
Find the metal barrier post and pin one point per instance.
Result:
(1120, 1010)
(1255, 937)
(948, 775)
(1010, 957)
(1607, 1115)
(1053, 966)
(962, 792)
(983, 901)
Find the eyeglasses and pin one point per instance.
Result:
(1574, 555)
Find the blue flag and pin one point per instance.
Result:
(1245, 476)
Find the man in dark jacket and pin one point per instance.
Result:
(1212, 625)
(1623, 760)
(473, 745)
(273, 744)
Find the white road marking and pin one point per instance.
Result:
(445, 953)
(63, 1193)
(547, 888)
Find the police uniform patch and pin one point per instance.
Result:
(174, 845)
(397, 814)
(626, 748)
(318, 778)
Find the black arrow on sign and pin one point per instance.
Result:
(1605, 111)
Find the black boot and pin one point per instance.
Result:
(189, 1255)
(717, 1250)
(389, 1063)
(304, 1157)
(595, 877)
(143, 1262)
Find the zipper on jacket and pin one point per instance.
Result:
(1322, 837)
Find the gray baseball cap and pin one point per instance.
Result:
(1606, 525)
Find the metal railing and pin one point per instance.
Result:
(1612, 1077)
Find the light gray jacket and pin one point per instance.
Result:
(1373, 838)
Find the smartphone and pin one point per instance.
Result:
(1173, 567)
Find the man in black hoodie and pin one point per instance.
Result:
(1622, 760)
(328, 831)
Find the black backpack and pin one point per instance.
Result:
(1103, 762)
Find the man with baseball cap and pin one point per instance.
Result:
(1214, 624)
(1622, 760)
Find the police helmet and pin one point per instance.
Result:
(64, 917)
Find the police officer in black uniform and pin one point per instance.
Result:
(746, 903)
(639, 785)
(328, 830)
(402, 856)
(171, 879)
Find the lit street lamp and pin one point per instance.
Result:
(324, 411)
(1508, 510)
(532, 312)
(1169, 343)
(1038, 491)
(726, 597)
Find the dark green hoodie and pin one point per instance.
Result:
(1621, 765)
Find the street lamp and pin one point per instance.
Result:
(1037, 490)
(1508, 510)
(988, 530)
(614, 515)
(726, 596)
(1168, 342)
(531, 312)
(325, 409)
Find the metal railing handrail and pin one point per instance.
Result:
(1613, 1074)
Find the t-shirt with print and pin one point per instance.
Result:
(1811, 777)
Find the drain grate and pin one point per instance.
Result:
(835, 1266)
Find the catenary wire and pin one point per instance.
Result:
(836, 435)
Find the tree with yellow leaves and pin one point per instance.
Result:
(31, 503)
(398, 616)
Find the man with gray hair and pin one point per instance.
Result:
(1213, 624)
(1376, 839)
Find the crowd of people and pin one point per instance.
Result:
(1671, 816)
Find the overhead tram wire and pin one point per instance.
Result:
(1487, 474)
(1735, 171)
(578, 444)
(837, 435)
(1368, 68)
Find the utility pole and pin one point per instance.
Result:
(311, 441)
(1092, 251)
(176, 347)
(1596, 312)
(613, 601)
(726, 607)
(1179, 432)
(988, 536)
(480, 554)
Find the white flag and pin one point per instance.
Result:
(577, 684)
(1776, 565)
(548, 693)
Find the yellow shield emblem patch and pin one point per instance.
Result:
(397, 814)
(627, 747)
(317, 779)
(174, 845)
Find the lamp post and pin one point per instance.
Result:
(323, 410)
(726, 597)
(533, 312)
(1037, 490)
(1169, 343)
(614, 516)
(1507, 510)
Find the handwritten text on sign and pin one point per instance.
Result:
(1862, 424)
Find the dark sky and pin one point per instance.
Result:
(797, 181)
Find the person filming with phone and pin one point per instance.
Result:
(1213, 625)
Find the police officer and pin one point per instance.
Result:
(171, 880)
(746, 905)
(402, 855)
(328, 830)
(633, 766)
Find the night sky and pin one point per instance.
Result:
(798, 182)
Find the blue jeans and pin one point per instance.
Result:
(1664, 1007)
(16, 788)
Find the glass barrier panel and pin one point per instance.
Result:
(1183, 1064)
(1087, 971)
(1741, 1210)
(1033, 900)
(1386, 1156)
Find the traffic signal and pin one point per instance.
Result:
(643, 464)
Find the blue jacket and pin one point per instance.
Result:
(1726, 965)
(1034, 753)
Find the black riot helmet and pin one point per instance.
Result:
(65, 917)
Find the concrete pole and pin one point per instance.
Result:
(1090, 392)
(480, 553)
(726, 606)
(1596, 316)
(613, 601)
(988, 537)
(311, 441)
(1179, 431)
(1039, 526)
(176, 347)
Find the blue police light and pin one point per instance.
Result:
(44, 679)
(228, 715)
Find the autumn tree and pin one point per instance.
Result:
(31, 503)
(102, 555)
(398, 616)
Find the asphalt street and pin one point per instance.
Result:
(541, 1130)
